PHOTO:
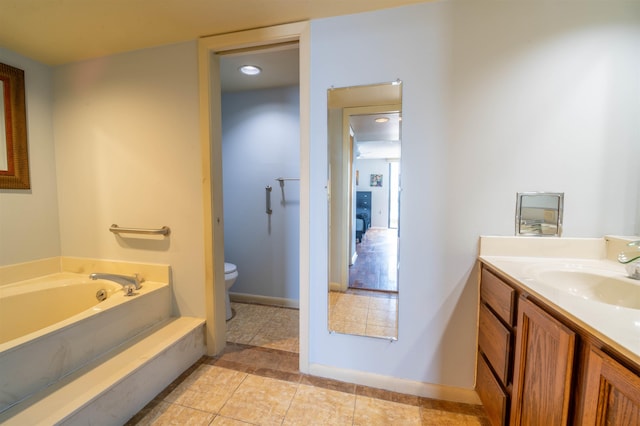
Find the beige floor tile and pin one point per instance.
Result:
(317, 406)
(226, 421)
(383, 304)
(370, 411)
(207, 389)
(269, 326)
(243, 337)
(261, 311)
(147, 417)
(246, 321)
(288, 344)
(238, 306)
(383, 318)
(353, 301)
(445, 418)
(288, 313)
(347, 327)
(333, 298)
(282, 330)
(174, 414)
(380, 331)
(349, 314)
(260, 400)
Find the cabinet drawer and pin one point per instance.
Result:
(491, 394)
(494, 340)
(498, 295)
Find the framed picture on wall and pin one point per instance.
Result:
(376, 180)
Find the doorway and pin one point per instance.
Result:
(261, 191)
(210, 49)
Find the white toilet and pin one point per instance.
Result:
(230, 275)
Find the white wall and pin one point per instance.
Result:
(261, 142)
(29, 218)
(128, 152)
(379, 194)
(498, 97)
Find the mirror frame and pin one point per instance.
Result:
(352, 105)
(559, 212)
(15, 117)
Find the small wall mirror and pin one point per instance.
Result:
(539, 213)
(364, 209)
(14, 158)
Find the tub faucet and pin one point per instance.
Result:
(128, 283)
(631, 260)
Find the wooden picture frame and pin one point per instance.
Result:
(14, 171)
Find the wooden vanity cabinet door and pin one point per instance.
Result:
(543, 368)
(611, 394)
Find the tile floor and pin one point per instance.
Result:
(366, 313)
(261, 385)
(267, 326)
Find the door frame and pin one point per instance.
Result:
(211, 153)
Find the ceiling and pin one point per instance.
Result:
(375, 140)
(62, 31)
(280, 67)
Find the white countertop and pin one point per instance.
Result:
(616, 326)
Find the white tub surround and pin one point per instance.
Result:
(40, 358)
(118, 384)
(80, 265)
(531, 261)
(119, 353)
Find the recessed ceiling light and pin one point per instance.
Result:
(250, 70)
(382, 119)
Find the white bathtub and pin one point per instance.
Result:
(52, 325)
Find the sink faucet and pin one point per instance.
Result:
(128, 283)
(631, 260)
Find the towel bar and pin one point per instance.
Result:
(165, 230)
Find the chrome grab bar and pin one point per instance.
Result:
(268, 198)
(165, 230)
(281, 180)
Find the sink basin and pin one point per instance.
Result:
(599, 286)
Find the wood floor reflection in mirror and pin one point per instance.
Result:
(376, 266)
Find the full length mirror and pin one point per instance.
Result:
(364, 138)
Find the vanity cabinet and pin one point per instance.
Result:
(543, 368)
(495, 346)
(536, 367)
(610, 394)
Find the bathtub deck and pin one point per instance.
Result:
(112, 388)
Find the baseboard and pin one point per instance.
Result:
(410, 387)
(264, 300)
